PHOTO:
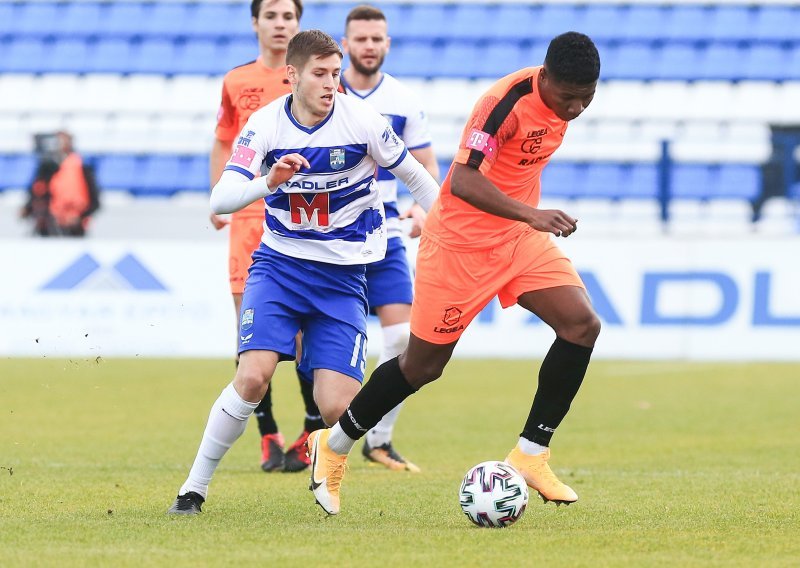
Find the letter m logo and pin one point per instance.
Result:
(319, 206)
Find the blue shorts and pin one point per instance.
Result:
(284, 295)
(389, 280)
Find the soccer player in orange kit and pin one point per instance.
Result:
(246, 89)
(485, 237)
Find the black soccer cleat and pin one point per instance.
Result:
(187, 504)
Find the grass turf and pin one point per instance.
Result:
(675, 463)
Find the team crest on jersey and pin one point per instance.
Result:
(337, 158)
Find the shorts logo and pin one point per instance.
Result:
(481, 141)
(451, 316)
(247, 319)
(337, 158)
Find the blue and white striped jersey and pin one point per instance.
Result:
(403, 110)
(331, 212)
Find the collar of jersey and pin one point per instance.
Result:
(351, 90)
(288, 108)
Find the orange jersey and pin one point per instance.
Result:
(509, 138)
(245, 89)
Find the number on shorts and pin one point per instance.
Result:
(359, 353)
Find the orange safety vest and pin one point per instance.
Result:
(69, 193)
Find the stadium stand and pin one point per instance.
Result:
(714, 79)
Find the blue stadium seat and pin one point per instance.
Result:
(629, 61)
(561, 179)
(554, 19)
(642, 181)
(38, 19)
(423, 22)
(687, 23)
(792, 69)
(694, 181)
(67, 56)
(642, 23)
(201, 56)
(462, 59)
(160, 175)
(328, 17)
(738, 181)
(731, 23)
(156, 55)
(167, 19)
(722, 61)
(110, 55)
(470, 22)
(514, 21)
(765, 62)
(218, 20)
(24, 55)
(8, 18)
(533, 54)
(83, 19)
(776, 23)
(677, 61)
(124, 19)
(412, 59)
(16, 171)
(602, 180)
(601, 22)
(238, 52)
(195, 173)
(117, 171)
(501, 58)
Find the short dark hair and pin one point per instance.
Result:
(364, 12)
(572, 58)
(255, 8)
(308, 44)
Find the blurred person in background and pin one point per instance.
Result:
(389, 288)
(64, 193)
(245, 89)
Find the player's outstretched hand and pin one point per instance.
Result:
(219, 221)
(553, 221)
(417, 215)
(285, 168)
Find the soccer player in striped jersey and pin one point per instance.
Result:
(389, 288)
(486, 233)
(324, 221)
(246, 89)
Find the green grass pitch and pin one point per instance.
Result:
(676, 464)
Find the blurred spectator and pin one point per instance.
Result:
(64, 193)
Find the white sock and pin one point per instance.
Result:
(395, 341)
(531, 448)
(226, 422)
(340, 442)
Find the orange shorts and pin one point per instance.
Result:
(452, 286)
(245, 237)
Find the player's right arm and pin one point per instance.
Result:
(472, 186)
(220, 152)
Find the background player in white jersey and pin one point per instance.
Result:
(324, 221)
(389, 289)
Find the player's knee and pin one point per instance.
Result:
(419, 374)
(252, 379)
(332, 412)
(585, 330)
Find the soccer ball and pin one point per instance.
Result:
(493, 494)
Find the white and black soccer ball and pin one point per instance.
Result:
(493, 494)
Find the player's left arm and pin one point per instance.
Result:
(416, 213)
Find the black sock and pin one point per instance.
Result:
(560, 377)
(313, 419)
(263, 413)
(386, 388)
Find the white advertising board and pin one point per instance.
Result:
(698, 299)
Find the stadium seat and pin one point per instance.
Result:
(83, 19)
(688, 23)
(109, 55)
(642, 181)
(532, 54)
(603, 180)
(731, 23)
(422, 22)
(66, 56)
(692, 181)
(462, 59)
(238, 52)
(16, 171)
(125, 20)
(498, 59)
(792, 69)
(24, 55)
(218, 20)
(471, 22)
(765, 62)
(38, 19)
(412, 59)
(201, 56)
(328, 17)
(722, 62)
(154, 56)
(561, 179)
(515, 20)
(554, 19)
(776, 23)
(8, 18)
(195, 174)
(166, 19)
(117, 171)
(642, 23)
(738, 181)
(159, 175)
(602, 22)
(676, 61)
(630, 61)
